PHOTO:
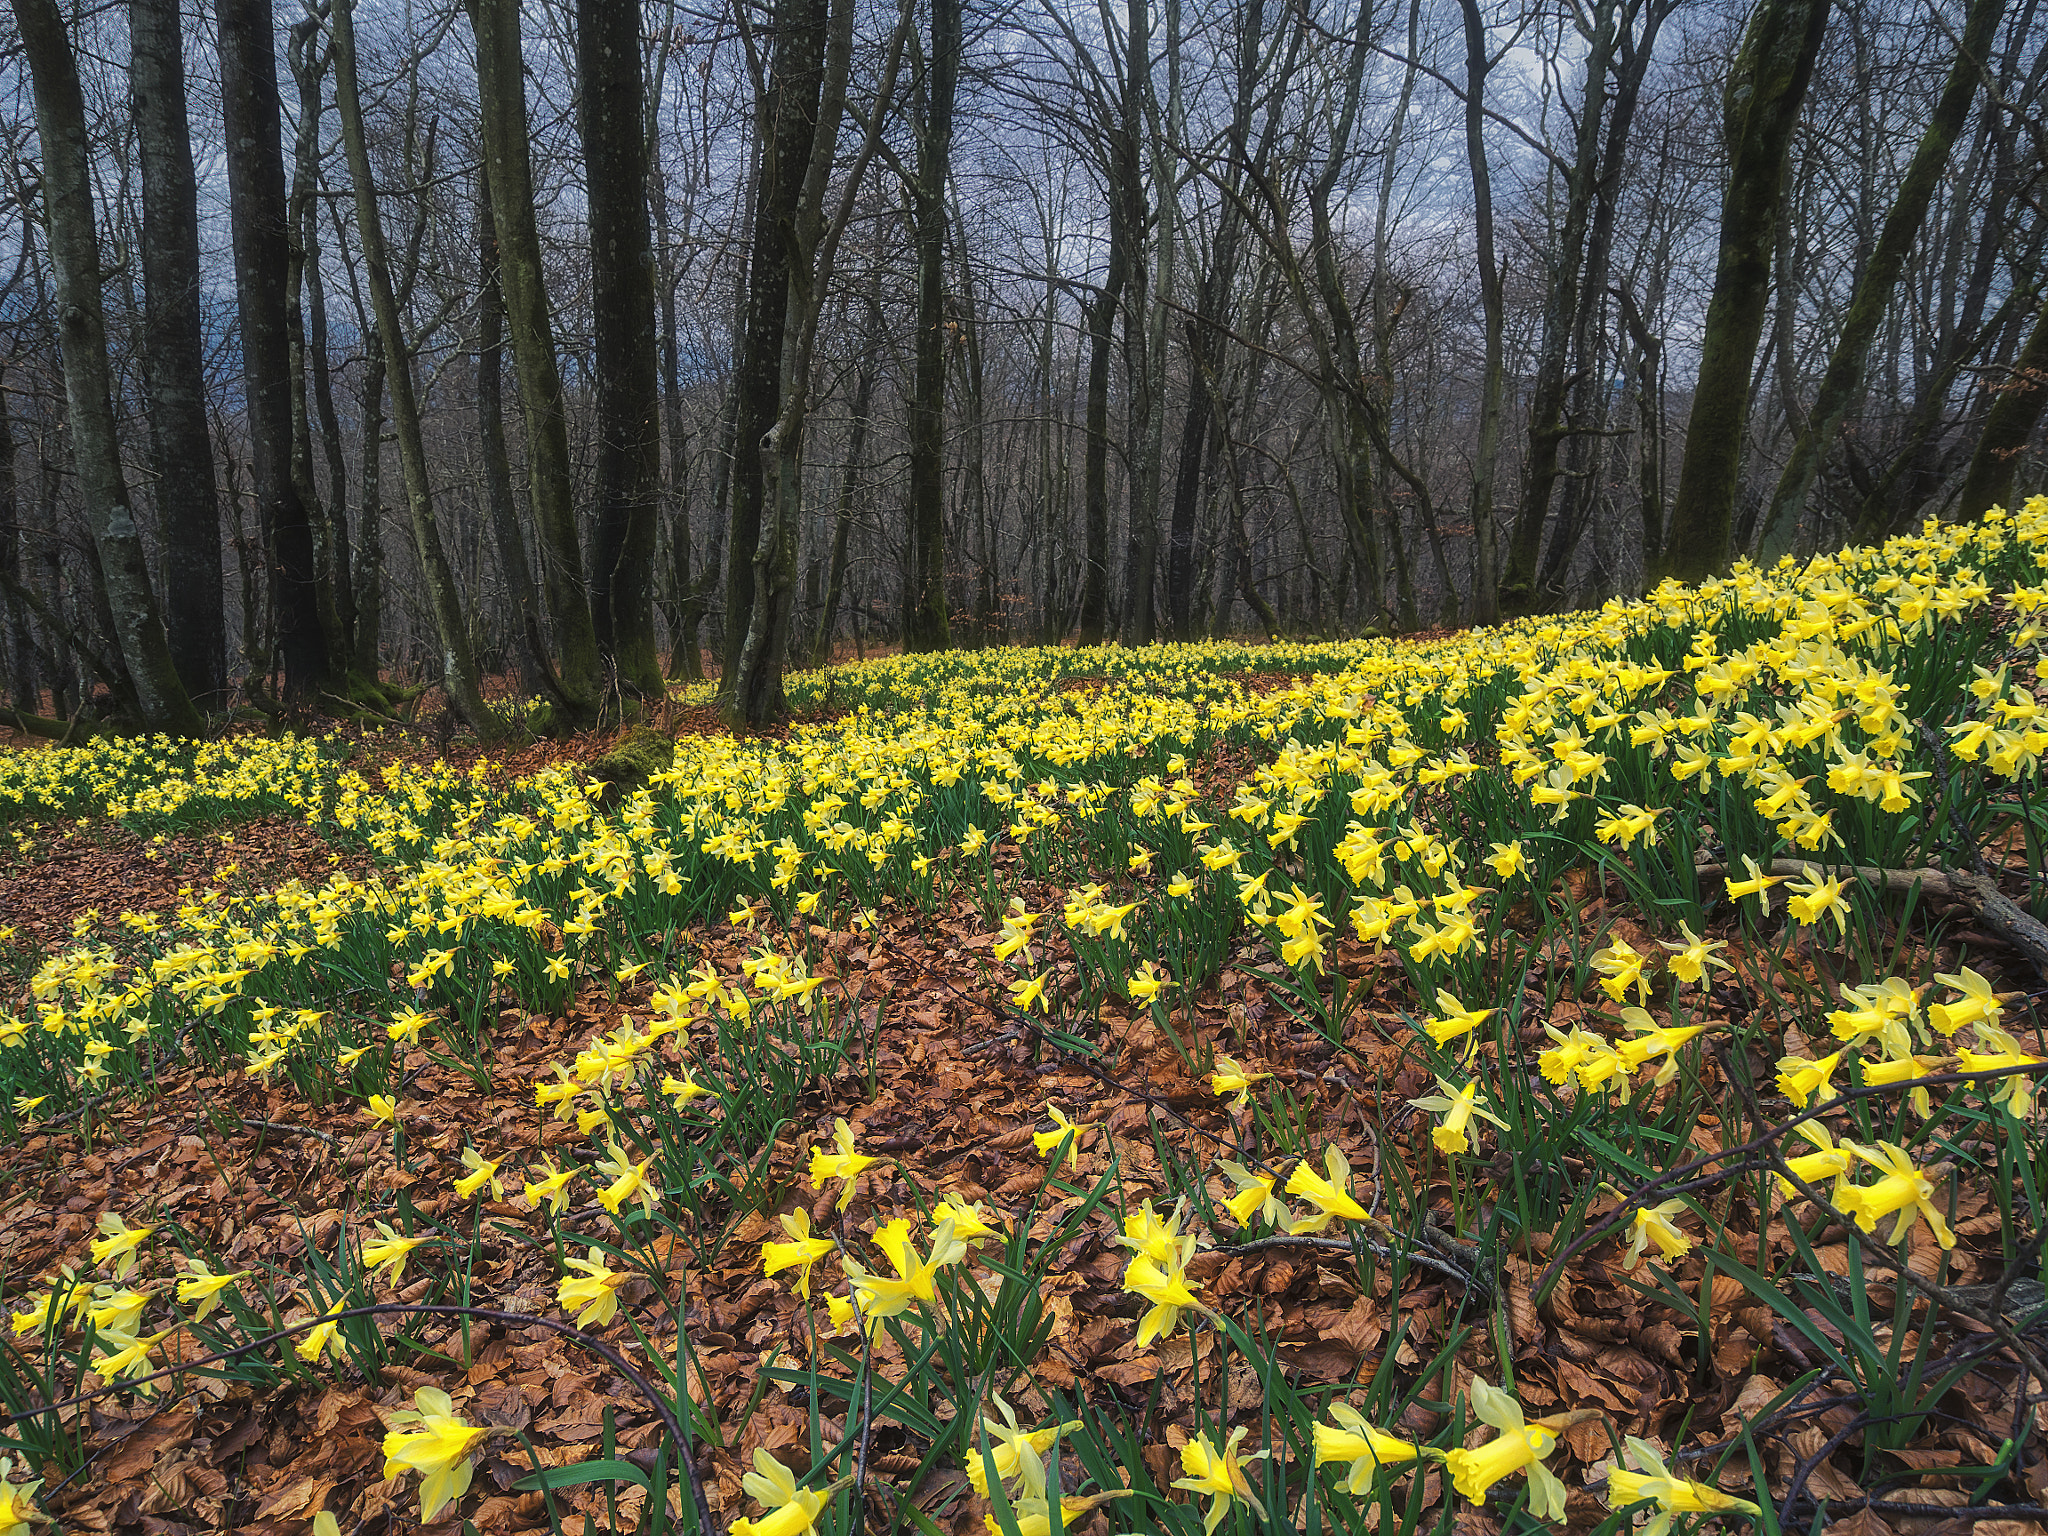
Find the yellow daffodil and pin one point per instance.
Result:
(482, 1171)
(203, 1286)
(1254, 1197)
(799, 1253)
(1519, 1447)
(1903, 1189)
(629, 1182)
(389, 1251)
(1230, 1078)
(1062, 1128)
(915, 1280)
(1018, 1453)
(552, 1186)
(1459, 1107)
(1219, 1475)
(18, 1510)
(117, 1243)
(1801, 1080)
(594, 1288)
(1977, 1005)
(1672, 1495)
(439, 1450)
(844, 1164)
(1329, 1192)
(1352, 1440)
(1656, 1224)
(787, 1510)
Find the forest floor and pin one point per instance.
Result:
(1739, 1355)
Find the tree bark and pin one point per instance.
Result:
(180, 437)
(501, 93)
(2008, 427)
(612, 121)
(256, 205)
(529, 625)
(1493, 320)
(459, 674)
(1843, 381)
(367, 579)
(786, 121)
(157, 695)
(925, 626)
(1761, 106)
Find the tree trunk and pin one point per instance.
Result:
(1843, 381)
(820, 650)
(256, 205)
(2008, 426)
(459, 674)
(1095, 457)
(754, 693)
(786, 122)
(20, 647)
(1493, 313)
(158, 697)
(925, 615)
(536, 676)
(684, 660)
(368, 576)
(180, 439)
(1765, 92)
(307, 68)
(615, 158)
(501, 93)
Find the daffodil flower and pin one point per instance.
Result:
(1254, 1195)
(1672, 1495)
(1219, 1475)
(389, 1251)
(1978, 1004)
(1229, 1078)
(203, 1286)
(1329, 1193)
(552, 1186)
(799, 1253)
(482, 1171)
(1351, 1439)
(323, 1336)
(1458, 1106)
(916, 1279)
(1903, 1189)
(439, 1450)
(131, 1359)
(18, 1509)
(972, 1222)
(1029, 993)
(684, 1090)
(1690, 961)
(845, 1164)
(629, 1182)
(1755, 884)
(1654, 1224)
(1144, 983)
(1519, 1447)
(594, 1289)
(118, 1242)
(1063, 1128)
(787, 1509)
(1800, 1080)
(1018, 1453)
(382, 1108)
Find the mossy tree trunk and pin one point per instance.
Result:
(137, 628)
(1761, 105)
(1843, 382)
(459, 675)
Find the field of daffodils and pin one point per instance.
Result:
(1573, 1075)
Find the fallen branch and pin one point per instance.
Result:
(1979, 893)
